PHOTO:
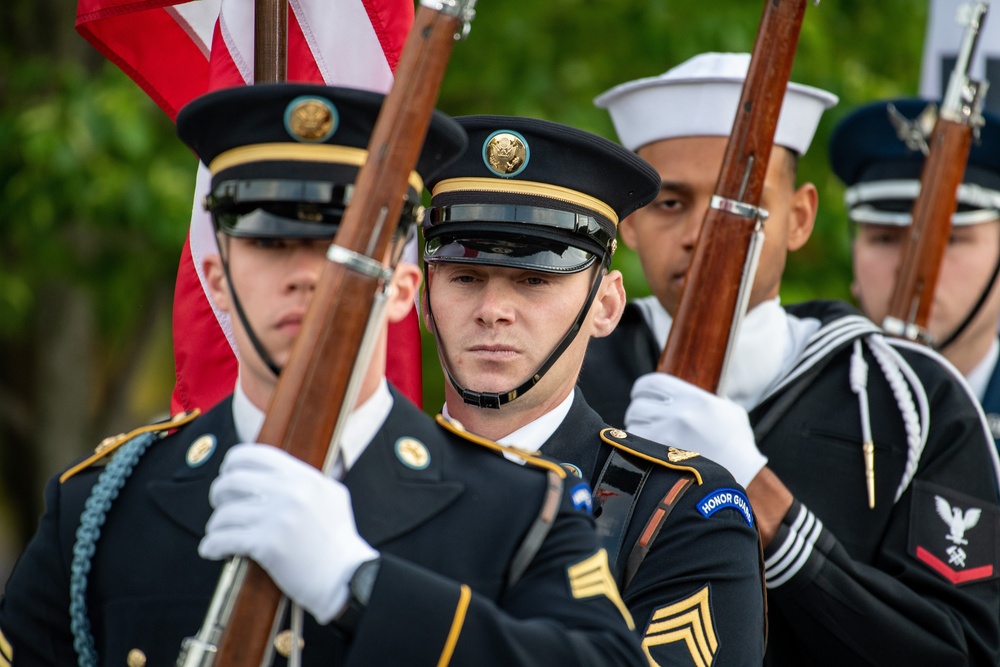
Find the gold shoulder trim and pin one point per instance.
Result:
(615, 438)
(112, 443)
(456, 428)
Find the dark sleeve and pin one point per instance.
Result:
(698, 596)
(909, 606)
(562, 611)
(34, 613)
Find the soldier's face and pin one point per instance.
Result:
(968, 263)
(274, 280)
(664, 232)
(498, 325)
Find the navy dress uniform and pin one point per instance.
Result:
(848, 584)
(540, 196)
(875, 150)
(482, 561)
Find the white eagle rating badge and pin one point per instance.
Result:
(954, 534)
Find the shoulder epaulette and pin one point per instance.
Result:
(455, 427)
(663, 455)
(113, 442)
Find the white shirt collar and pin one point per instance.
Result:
(360, 429)
(979, 377)
(530, 437)
(247, 416)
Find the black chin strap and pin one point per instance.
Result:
(485, 399)
(257, 346)
(972, 313)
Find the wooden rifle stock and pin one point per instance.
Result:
(942, 174)
(712, 301)
(311, 391)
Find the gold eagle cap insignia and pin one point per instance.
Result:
(505, 153)
(311, 119)
(675, 455)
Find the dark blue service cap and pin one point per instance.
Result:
(883, 174)
(534, 194)
(284, 156)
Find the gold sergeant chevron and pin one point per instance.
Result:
(688, 621)
(592, 577)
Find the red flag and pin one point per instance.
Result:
(176, 52)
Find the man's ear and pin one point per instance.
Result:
(802, 215)
(215, 281)
(609, 304)
(626, 231)
(406, 279)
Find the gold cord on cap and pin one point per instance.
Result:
(298, 152)
(527, 188)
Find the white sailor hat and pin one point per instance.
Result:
(699, 97)
(883, 172)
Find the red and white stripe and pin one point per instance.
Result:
(177, 52)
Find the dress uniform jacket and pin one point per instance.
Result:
(698, 596)
(912, 581)
(991, 404)
(447, 531)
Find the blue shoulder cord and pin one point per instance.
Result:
(109, 483)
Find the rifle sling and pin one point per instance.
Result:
(539, 529)
(652, 529)
(617, 491)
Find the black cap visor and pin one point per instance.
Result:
(265, 224)
(287, 208)
(512, 250)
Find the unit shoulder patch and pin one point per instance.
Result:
(109, 445)
(953, 534)
(724, 498)
(683, 632)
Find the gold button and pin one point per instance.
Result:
(283, 643)
(617, 433)
(136, 658)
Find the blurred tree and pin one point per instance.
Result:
(95, 194)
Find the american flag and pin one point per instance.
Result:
(178, 51)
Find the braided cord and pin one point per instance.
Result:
(901, 377)
(109, 483)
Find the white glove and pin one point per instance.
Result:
(671, 411)
(296, 522)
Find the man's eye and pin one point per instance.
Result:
(269, 244)
(535, 281)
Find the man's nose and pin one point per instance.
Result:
(495, 305)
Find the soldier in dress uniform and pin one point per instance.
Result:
(882, 174)
(419, 548)
(518, 244)
(870, 468)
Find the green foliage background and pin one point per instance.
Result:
(96, 191)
